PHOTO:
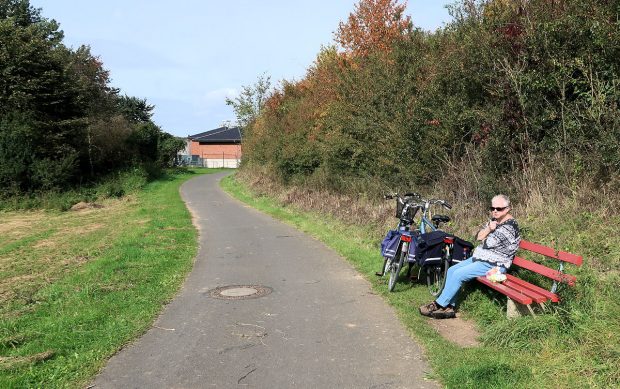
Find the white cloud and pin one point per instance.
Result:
(219, 95)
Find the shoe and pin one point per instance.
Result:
(444, 313)
(428, 309)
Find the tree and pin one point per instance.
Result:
(168, 148)
(249, 104)
(134, 109)
(38, 99)
(20, 12)
(61, 121)
(374, 26)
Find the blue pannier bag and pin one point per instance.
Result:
(461, 251)
(389, 245)
(413, 247)
(430, 247)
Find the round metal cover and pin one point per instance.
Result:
(239, 292)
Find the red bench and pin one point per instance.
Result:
(525, 293)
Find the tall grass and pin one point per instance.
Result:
(115, 185)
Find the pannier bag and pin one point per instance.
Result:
(430, 247)
(389, 245)
(413, 246)
(462, 250)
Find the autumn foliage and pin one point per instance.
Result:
(507, 85)
(375, 25)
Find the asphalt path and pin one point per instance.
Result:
(320, 327)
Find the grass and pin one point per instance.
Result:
(578, 345)
(115, 185)
(77, 286)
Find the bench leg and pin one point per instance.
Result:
(514, 309)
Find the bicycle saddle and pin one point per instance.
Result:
(440, 218)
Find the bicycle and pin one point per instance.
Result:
(405, 211)
(435, 268)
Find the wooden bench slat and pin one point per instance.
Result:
(550, 296)
(572, 258)
(545, 271)
(513, 294)
(549, 252)
(535, 296)
(524, 292)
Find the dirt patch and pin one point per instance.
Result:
(83, 229)
(8, 363)
(83, 205)
(45, 243)
(195, 217)
(458, 330)
(11, 223)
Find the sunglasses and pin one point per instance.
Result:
(498, 209)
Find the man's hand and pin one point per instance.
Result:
(492, 225)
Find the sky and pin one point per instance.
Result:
(186, 57)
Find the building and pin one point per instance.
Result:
(216, 148)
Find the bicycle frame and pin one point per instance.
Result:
(425, 222)
(435, 271)
(394, 265)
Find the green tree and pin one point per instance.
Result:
(60, 120)
(134, 109)
(249, 104)
(37, 95)
(168, 147)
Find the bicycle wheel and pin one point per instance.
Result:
(396, 266)
(436, 277)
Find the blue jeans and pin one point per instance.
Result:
(465, 271)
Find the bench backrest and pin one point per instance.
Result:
(555, 275)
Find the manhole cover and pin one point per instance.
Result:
(239, 292)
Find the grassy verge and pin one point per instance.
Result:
(76, 286)
(115, 185)
(565, 348)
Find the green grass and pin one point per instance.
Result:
(74, 294)
(115, 185)
(576, 346)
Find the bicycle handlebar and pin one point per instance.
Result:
(447, 205)
(412, 194)
(417, 196)
(390, 196)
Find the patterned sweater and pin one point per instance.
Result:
(500, 246)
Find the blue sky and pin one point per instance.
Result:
(187, 56)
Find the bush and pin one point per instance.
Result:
(510, 84)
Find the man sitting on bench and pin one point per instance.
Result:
(499, 243)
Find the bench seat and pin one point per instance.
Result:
(525, 293)
(521, 291)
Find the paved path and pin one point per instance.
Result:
(321, 327)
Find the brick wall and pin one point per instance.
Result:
(216, 150)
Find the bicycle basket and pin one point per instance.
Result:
(410, 212)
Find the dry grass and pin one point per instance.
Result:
(552, 207)
(38, 247)
(352, 209)
(8, 363)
